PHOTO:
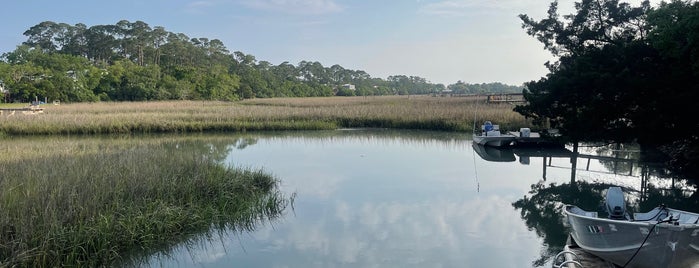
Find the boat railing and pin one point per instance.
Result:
(684, 218)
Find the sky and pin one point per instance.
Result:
(443, 41)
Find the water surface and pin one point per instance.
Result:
(383, 198)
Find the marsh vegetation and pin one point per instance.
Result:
(401, 112)
(73, 202)
(70, 202)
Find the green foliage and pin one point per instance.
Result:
(131, 61)
(464, 88)
(624, 73)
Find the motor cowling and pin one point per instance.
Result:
(615, 204)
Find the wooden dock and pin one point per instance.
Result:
(505, 98)
(581, 256)
(31, 110)
(534, 140)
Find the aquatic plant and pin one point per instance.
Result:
(67, 202)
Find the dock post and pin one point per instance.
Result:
(574, 162)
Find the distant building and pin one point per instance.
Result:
(349, 86)
(72, 75)
(4, 91)
(2, 87)
(445, 93)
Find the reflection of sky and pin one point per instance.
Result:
(386, 201)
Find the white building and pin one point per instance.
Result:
(349, 86)
(3, 90)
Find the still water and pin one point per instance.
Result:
(383, 198)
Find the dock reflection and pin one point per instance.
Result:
(614, 160)
(541, 208)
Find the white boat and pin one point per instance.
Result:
(662, 237)
(490, 136)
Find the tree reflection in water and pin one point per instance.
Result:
(542, 209)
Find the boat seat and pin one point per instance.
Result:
(684, 218)
(656, 214)
(495, 127)
(493, 133)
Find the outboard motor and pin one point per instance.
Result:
(615, 204)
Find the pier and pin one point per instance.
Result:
(31, 110)
(573, 256)
(506, 98)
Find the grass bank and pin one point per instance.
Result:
(401, 112)
(68, 202)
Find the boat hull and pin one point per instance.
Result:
(667, 245)
(493, 154)
(494, 141)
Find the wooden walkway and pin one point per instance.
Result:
(26, 111)
(586, 259)
(506, 98)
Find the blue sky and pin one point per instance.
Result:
(444, 41)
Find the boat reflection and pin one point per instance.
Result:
(493, 154)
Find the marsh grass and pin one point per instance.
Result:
(67, 202)
(401, 112)
(13, 105)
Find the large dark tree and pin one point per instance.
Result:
(586, 93)
(675, 35)
(623, 73)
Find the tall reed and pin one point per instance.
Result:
(403, 112)
(67, 202)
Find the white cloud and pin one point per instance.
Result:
(198, 7)
(197, 4)
(304, 7)
(511, 59)
(461, 7)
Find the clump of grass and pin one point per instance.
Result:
(403, 112)
(68, 203)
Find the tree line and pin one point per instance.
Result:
(624, 73)
(132, 61)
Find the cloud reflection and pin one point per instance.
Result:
(434, 233)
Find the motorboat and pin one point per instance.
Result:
(661, 237)
(490, 136)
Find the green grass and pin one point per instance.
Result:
(13, 105)
(74, 203)
(401, 112)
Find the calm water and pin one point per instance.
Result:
(378, 198)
